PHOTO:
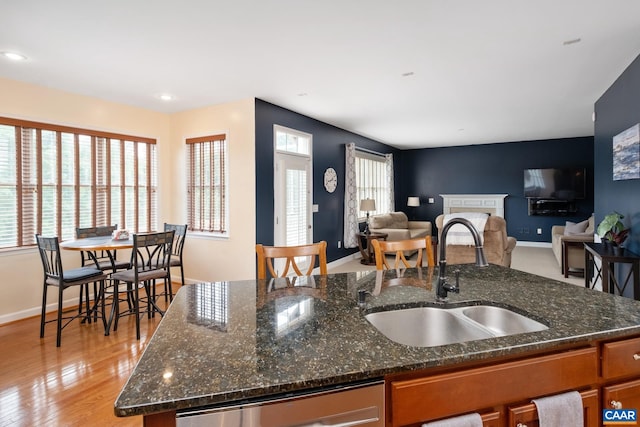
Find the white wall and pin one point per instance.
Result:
(206, 259)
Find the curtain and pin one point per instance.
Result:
(350, 198)
(389, 165)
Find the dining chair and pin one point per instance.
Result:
(381, 248)
(55, 275)
(149, 262)
(294, 256)
(103, 258)
(401, 276)
(106, 260)
(178, 245)
(298, 283)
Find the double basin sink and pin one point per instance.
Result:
(434, 326)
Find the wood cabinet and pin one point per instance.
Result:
(445, 395)
(607, 375)
(621, 370)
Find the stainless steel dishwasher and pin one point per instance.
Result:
(361, 405)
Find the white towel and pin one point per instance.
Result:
(459, 234)
(560, 410)
(469, 420)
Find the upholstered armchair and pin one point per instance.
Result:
(497, 245)
(567, 242)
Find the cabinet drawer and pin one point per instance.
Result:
(621, 358)
(527, 415)
(470, 390)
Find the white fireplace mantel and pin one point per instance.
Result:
(488, 203)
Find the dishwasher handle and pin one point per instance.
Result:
(358, 417)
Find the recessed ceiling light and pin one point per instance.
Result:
(14, 56)
(166, 97)
(572, 41)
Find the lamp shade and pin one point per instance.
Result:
(413, 201)
(367, 205)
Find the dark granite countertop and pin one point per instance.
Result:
(228, 341)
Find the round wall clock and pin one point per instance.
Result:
(330, 180)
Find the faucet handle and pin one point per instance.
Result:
(362, 297)
(455, 288)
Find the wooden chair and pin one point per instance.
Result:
(54, 275)
(381, 248)
(266, 255)
(149, 262)
(303, 284)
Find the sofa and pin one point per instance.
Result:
(398, 226)
(497, 245)
(571, 237)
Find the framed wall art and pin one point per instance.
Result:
(626, 154)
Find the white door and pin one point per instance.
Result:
(292, 192)
(292, 201)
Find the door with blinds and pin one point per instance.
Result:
(293, 196)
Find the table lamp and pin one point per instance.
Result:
(367, 205)
(413, 202)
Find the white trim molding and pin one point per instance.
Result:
(488, 203)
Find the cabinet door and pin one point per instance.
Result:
(527, 415)
(622, 396)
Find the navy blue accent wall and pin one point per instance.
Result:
(328, 151)
(617, 110)
(493, 169)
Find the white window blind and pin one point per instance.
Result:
(54, 179)
(206, 184)
(372, 181)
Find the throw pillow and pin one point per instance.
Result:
(571, 228)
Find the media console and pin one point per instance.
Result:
(552, 207)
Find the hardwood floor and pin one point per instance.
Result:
(75, 384)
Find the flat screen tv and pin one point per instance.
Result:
(555, 184)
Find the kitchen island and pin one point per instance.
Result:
(226, 342)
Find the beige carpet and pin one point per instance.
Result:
(535, 260)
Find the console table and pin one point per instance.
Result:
(368, 257)
(609, 258)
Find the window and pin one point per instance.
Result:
(206, 184)
(373, 181)
(292, 141)
(56, 178)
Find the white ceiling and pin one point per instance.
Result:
(482, 71)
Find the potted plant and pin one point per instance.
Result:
(612, 230)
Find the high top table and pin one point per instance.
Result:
(609, 258)
(100, 243)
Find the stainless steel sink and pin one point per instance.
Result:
(433, 326)
(501, 321)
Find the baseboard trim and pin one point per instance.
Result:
(534, 244)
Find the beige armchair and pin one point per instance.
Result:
(497, 245)
(567, 242)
